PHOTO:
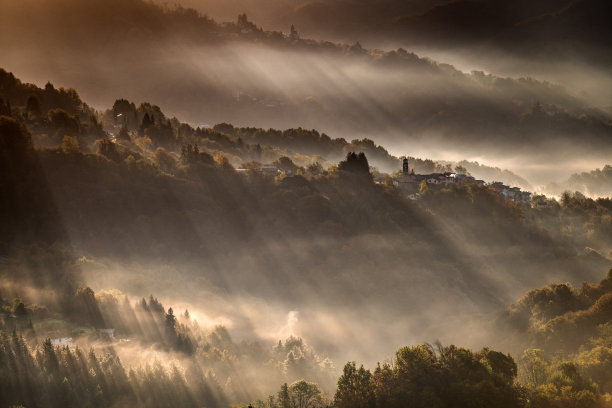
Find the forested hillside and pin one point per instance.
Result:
(442, 23)
(101, 208)
(597, 182)
(305, 204)
(207, 72)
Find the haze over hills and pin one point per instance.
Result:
(267, 257)
(149, 212)
(208, 73)
(204, 213)
(562, 41)
(439, 22)
(597, 182)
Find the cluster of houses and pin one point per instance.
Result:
(511, 193)
(409, 183)
(267, 170)
(103, 334)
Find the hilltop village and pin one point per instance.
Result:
(410, 183)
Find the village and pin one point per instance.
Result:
(409, 184)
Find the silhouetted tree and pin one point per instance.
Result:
(355, 163)
(355, 388)
(33, 109)
(147, 123)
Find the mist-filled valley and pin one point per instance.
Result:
(205, 213)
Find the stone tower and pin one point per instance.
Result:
(405, 167)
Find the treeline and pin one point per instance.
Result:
(449, 376)
(567, 337)
(586, 221)
(33, 102)
(143, 22)
(146, 125)
(556, 382)
(429, 377)
(69, 310)
(487, 113)
(51, 114)
(597, 182)
(48, 376)
(561, 318)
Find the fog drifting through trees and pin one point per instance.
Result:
(206, 73)
(215, 216)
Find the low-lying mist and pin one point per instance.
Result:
(345, 305)
(330, 257)
(187, 251)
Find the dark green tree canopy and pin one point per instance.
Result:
(355, 163)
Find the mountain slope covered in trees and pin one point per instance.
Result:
(597, 182)
(207, 72)
(158, 192)
(200, 256)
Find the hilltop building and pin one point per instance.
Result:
(409, 183)
(511, 193)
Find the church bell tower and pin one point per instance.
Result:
(405, 167)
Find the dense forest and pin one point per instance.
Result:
(171, 359)
(101, 208)
(216, 218)
(206, 72)
(557, 374)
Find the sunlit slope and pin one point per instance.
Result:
(148, 212)
(339, 241)
(207, 73)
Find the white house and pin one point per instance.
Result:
(62, 341)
